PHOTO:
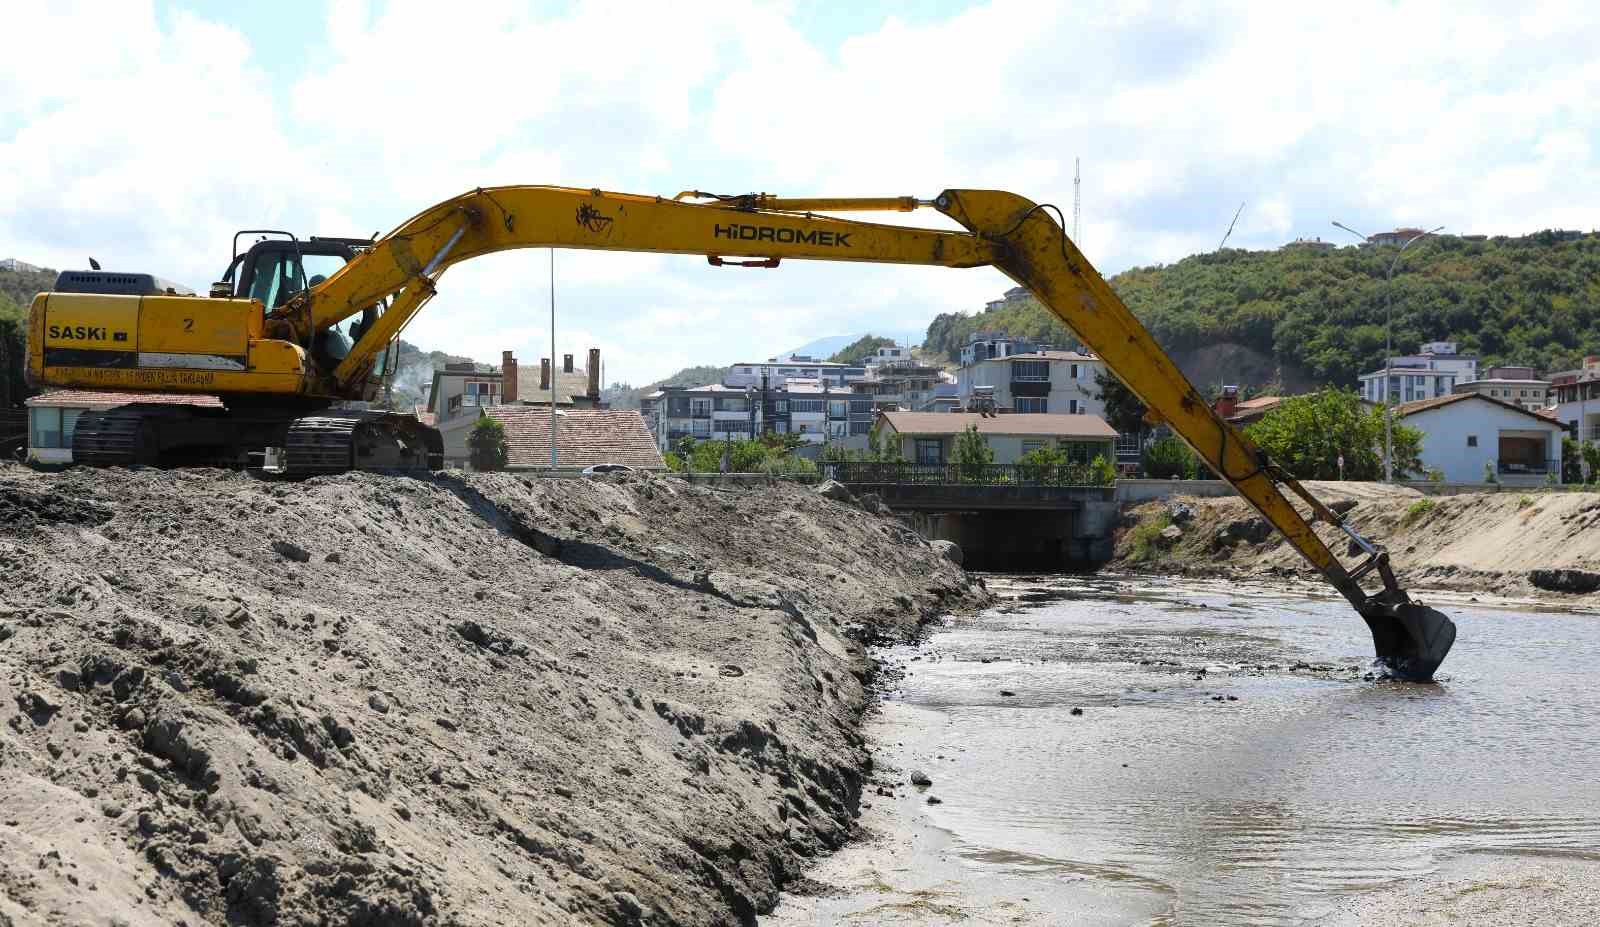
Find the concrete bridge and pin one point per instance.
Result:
(1004, 517)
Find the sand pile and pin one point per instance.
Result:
(477, 699)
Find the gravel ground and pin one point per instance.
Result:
(477, 699)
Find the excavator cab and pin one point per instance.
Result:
(275, 269)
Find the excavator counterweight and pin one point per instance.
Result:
(296, 327)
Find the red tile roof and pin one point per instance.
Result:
(584, 437)
(1423, 405)
(1032, 424)
(96, 399)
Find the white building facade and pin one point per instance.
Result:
(1432, 373)
(1467, 435)
(1048, 382)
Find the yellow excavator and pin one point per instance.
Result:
(296, 329)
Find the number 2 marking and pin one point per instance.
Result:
(188, 325)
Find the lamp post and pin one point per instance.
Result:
(1388, 343)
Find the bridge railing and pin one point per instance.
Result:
(855, 471)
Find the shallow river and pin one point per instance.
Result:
(1273, 804)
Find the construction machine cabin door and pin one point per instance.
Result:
(275, 270)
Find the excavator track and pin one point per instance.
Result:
(327, 442)
(108, 437)
(338, 441)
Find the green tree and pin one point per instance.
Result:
(1591, 460)
(1305, 435)
(486, 444)
(882, 448)
(860, 349)
(1124, 411)
(1571, 461)
(1168, 459)
(972, 453)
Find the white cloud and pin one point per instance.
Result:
(168, 132)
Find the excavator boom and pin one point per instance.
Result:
(1002, 230)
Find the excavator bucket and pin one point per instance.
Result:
(1411, 639)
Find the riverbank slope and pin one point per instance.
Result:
(1519, 545)
(473, 699)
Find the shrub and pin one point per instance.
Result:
(1101, 472)
(788, 465)
(1144, 539)
(1489, 476)
(1418, 510)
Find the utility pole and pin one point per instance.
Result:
(1077, 202)
(552, 358)
(1388, 345)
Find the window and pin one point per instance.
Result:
(805, 405)
(1030, 403)
(1472, 440)
(46, 428)
(1028, 447)
(930, 451)
(781, 406)
(700, 408)
(1074, 371)
(838, 408)
(1073, 407)
(1032, 371)
(701, 428)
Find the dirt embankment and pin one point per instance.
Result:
(1506, 543)
(453, 700)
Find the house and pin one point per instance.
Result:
(929, 437)
(1463, 433)
(52, 415)
(1243, 412)
(460, 392)
(1308, 244)
(1037, 381)
(813, 408)
(583, 437)
(1432, 373)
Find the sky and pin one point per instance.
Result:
(147, 133)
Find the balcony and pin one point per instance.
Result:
(1030, 388)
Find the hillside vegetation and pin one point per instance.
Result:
(624, 396)
(1310, 318)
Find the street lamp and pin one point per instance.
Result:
(1388, 343)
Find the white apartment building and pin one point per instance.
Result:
(778, 372)
(1050, 382)
(1429, 374)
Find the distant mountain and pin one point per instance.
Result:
(820, 348)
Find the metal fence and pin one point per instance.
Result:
(978, 474)
(1534, 468)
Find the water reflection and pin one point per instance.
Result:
(1230, 757)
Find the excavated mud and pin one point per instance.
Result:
(478, 699)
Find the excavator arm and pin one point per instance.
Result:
(1002, 230)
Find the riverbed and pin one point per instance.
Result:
(1110, 751)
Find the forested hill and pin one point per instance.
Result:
(1308, 317)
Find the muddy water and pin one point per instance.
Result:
(1214, 777)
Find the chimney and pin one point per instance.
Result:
(1227, 403)
(566, 363)
(544, 373)
(508, 377)
(594, 373)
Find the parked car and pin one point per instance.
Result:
(598, 469)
